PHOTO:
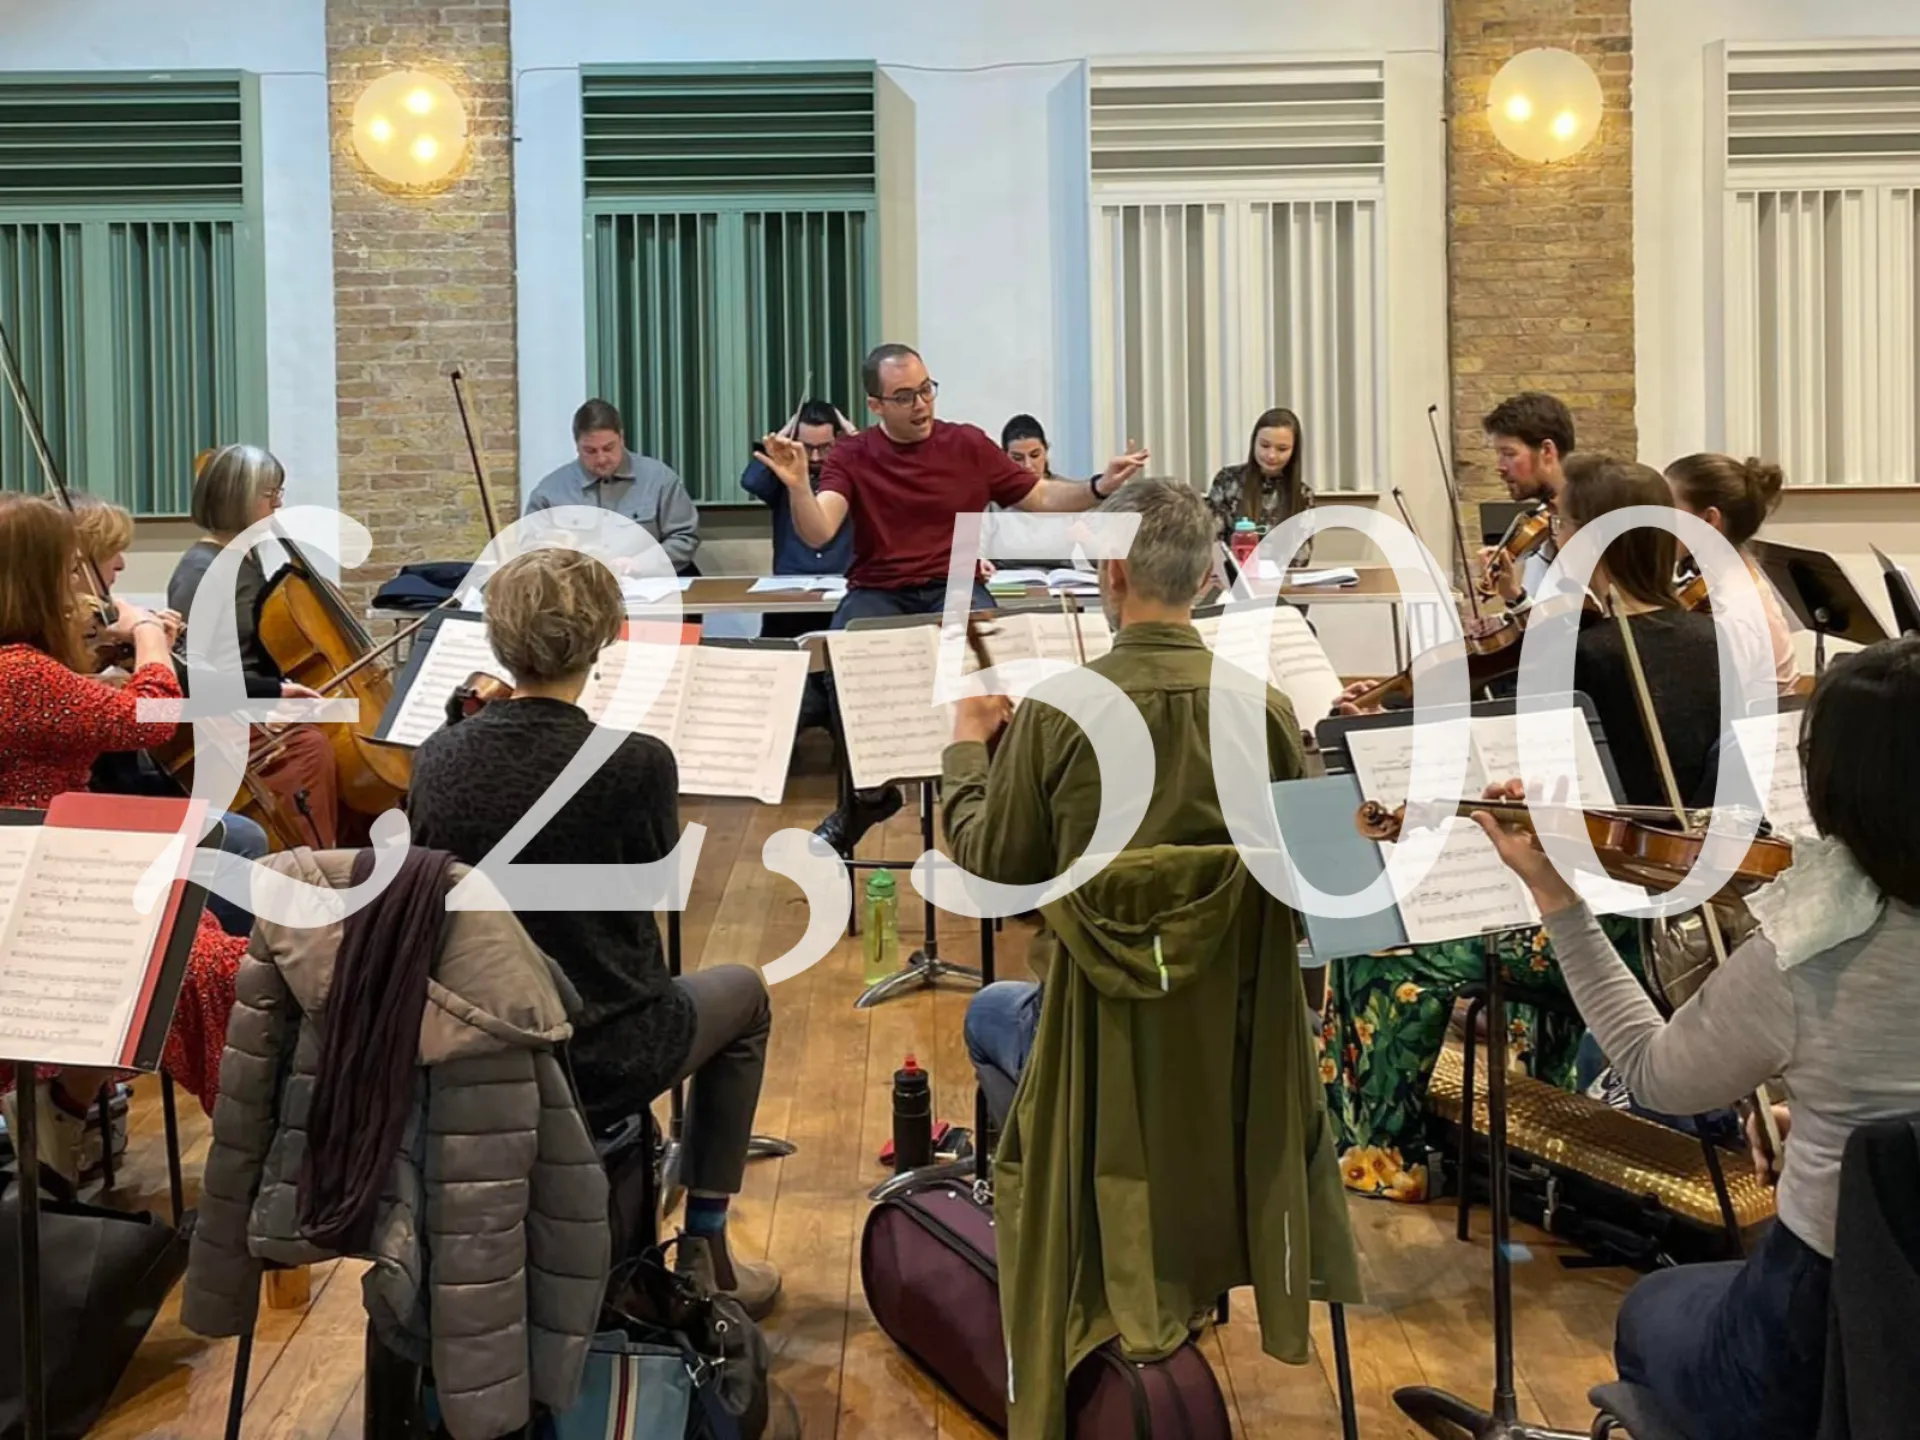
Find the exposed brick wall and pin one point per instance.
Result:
(1541, 255)
(423, 284)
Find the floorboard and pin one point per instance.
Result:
(828, 1089)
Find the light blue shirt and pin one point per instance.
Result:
(642, 489)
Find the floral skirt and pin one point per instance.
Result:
(1385, 1023)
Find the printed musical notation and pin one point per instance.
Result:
(459, 648)
(884, 682)
(1786, 802)
(74, 952)
(1294, 662)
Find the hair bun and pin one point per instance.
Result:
(1766, 479)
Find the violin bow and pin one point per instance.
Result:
(1070, 608)
(458, 380)
(1453, 509)
(1657, 742)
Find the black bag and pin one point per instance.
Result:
(930, 1269)
(725, 1351)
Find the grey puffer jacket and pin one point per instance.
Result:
(490, 1248)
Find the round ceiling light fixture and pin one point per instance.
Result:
(410, 129)
(1545, 105)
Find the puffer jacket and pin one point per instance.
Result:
(490, 1249)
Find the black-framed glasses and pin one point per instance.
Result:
(904, 398)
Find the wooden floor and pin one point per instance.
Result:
(828, 1076)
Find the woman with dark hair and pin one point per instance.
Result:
(1025, 442)
(1735, 497)
(1823, 996)
(1268, 488)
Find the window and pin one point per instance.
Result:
(130, 278)
(1238, 260)
(1818, 267)
(732, 254)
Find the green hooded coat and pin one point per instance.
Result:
(1169, 1139)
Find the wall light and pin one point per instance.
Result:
(1545, 105)
(410, 129)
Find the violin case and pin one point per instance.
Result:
(930, 1270)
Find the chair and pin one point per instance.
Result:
(1632, 1408)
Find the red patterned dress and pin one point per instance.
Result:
(54, 724)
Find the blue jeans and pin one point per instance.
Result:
(1001, 1023)
(247, 840)
(1733, 1350)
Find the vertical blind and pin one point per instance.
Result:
(124, 280)
(1819, 265)
(1239, 262)
(732, 253)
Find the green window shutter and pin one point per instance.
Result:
(129, 248)
(731, 250)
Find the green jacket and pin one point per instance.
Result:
(1168, 1141)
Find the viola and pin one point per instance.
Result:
(1525, 535)
(1643, 846)
(474, 694)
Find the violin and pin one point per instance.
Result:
(1693, 593)
(1493, 647)
(1629, 841)
(1525, 535)
(474, 694)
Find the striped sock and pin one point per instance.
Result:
(706, 1214)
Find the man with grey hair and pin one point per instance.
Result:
(1030, 814)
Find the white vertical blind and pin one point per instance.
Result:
(1819, 267)
(1239, 262)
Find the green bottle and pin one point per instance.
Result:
(880, 927)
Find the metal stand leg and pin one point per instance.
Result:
(176, 1191)
(924, 967)
(1720, 1192)
(26, 1155)
(237, 1391)
(976, 1167)
(104, 1106)
(1464, 1225)
(1435, 1411)
(1343, 1371)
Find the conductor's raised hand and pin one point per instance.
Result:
(787, 459)
(1123, 468)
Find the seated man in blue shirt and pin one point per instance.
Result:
(607, 475)
(816, 425)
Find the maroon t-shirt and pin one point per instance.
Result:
(903, 498)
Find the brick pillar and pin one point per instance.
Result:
(1541, 256)
(423, 284)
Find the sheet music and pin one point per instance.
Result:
(1053, 635)
(1497, 738)
(667, 659)
(1786, 805)
(1300, 668)
(884, 681)
(1468, 891)
(736, 723)
(17, 844)
(74, 950)
(459, 648)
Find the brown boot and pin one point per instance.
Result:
(754, 1284)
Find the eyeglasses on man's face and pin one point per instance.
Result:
(906, 398)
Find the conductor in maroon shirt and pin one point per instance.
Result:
(902, 482)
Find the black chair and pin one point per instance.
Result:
(1631, 1408)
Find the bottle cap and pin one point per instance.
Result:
(910, 1065)
(880, 885)
(1245, 524)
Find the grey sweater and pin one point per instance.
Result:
(1841, 1028)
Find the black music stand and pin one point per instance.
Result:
(1900, 593)
(1822, 597)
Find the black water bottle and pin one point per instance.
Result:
(912, 1118)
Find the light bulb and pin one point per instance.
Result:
(380, 130)
(425, 148)
(1519, 109)
(1564, 124)
(419, 102)
(410, 129)
(1545, 105)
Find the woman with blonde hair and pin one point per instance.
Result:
(639, 1031)
(237, 487)
(55, 721)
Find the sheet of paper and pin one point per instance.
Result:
(17, 844)
(1563, 749)
(1239, 643)
(736, 724)
(1468, 891)
(1341, 575)
(884, 681)
(1786, 804)
(797, 584)
(653, 589)
(1013, 579)
(459, 648)
(657, 717)
(1053, 635)
(1300, 668)
(74, 952)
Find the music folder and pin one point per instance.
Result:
(1900, 593)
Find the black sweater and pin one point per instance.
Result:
(1682, 664)
(474, 781)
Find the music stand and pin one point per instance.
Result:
(1820, 594)
(1900, 593)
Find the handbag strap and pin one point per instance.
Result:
(720, 1425)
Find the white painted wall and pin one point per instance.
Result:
(285, 44)
(1000, 169)
(1670, 100)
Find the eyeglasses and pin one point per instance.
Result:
(904, 398)
(819, 452)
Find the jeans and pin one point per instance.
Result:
(247, 840)
(1733, 1350)
(732, 1019)
(1000, 1025)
